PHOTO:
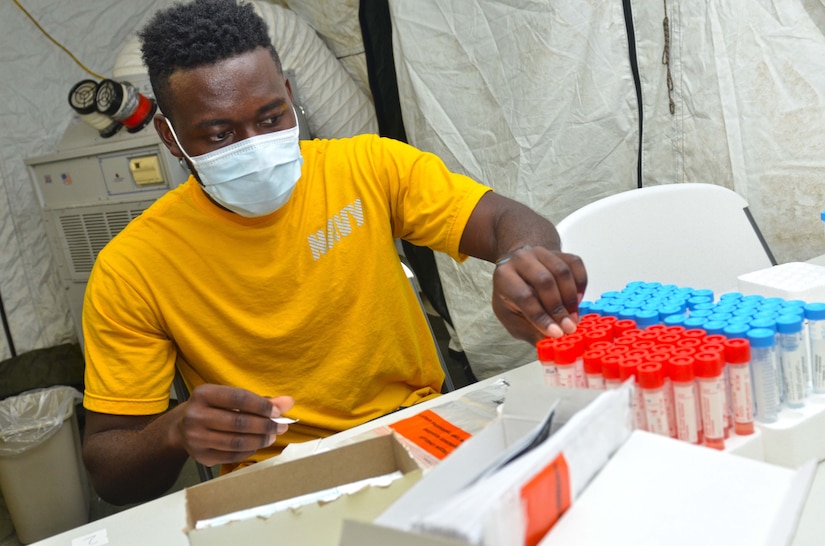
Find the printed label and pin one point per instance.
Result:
(435, 435)
(545, 498)
(740, 383)
(687, 414)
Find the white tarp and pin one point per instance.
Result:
(532, 97)
(537, 100)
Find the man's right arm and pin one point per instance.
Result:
(138, 458)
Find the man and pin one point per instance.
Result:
(270, 279)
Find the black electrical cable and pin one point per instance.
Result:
(6, 328)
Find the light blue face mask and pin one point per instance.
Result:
(253, 177)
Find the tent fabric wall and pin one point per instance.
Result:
(34, 88)
(537, 100)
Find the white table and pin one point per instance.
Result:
(162, 521)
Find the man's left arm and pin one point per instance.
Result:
(536, 287)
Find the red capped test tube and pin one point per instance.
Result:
(610, 370)
(546, 349)
(708, 369)
(686, 399)
(565, 357)
(651, 379)
(738, 357)
(628, 370)
(593, 368)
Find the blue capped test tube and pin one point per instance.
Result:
(793, 360)
(764, 370)
(815, 314)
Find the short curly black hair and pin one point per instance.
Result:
(199, 33)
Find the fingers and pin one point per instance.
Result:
(536, 293)
(225, 424)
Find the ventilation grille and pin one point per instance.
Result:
(85, 234)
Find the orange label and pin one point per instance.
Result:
(545, 498)
(431, 433)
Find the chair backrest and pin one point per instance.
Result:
(697, 235)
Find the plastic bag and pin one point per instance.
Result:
(29, 419)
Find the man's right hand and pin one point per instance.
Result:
(220, 424)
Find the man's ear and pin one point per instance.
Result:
(165, 134)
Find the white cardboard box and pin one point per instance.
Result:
(315, 524)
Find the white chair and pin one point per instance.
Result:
(697, 235)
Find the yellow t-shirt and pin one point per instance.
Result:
(309, 301)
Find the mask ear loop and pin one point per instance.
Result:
(175, 136)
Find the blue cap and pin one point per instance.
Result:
(704, 307)
(725, 307)
(598, 307)
(730, 296)
(815, 311)
(694, 322)
(753, 297)
(713, 327)
(584, 307)
(628, 313)
(612, 310)
(740, 319)
(716, 315)
(667, 310)
(696, 300)
(793, 303)
(745, 311)
(792, 311)
(654, 285)
(610, 294)
(675, 320)
(822, 215)
(703, 292)
(765, 314)
(772, 301)
(736, 330)
(761, 337)
(634, 303)
(789, 324)
(764, 324)
(647, 317)
(704, 313)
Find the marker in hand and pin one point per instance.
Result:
(284, 420)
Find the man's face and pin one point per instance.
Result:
(217, 105)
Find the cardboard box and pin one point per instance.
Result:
(316, 524)
(653, 490)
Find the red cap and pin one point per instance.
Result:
(589, 317)
(647, 335)
(566, 353)
(662, 348)
(712, 348)
(623, 326)
(737, 351)
(707, 364)
(593, 361)
(636, 353)
(676, 329)
(651, 375)
(610, 366)
(694, 333)
(618, 350)
(601, 345)
(628, 367)
(625, 341)
(715, 338)
(607, 321)
(546, 349)
(658, 328)
(681, 369)
(689, 342)
(683, 351)
(643, 344)
(577, 339)
(598, 334)
(669, 338)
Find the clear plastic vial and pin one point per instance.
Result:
(815, 314)
(764, 374)
(708, 369)
(546, 349)
(593, 368)
(652, 384)
(793, 360)
(685, 400)
(565, 358)
(738, 358)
